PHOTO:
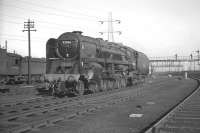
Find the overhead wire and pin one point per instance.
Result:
(49, 28)
(44, 23)
(8, 35)
(18, 38)
(60, 10)
(49, 13)
(55, 25)
(80, 8)
(10, 21)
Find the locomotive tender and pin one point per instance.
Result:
(81, 64)
(14, 67)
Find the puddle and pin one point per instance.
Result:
(135, 115)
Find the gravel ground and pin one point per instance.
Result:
(156, 97)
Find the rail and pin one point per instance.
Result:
(153, 128)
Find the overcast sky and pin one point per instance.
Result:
(155, 27)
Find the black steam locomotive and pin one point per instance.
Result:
(77, 64)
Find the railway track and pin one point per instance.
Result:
(44, 100)
(14, 110)
(34, 119)
(33, 114)
(183, 118)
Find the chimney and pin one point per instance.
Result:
(77, 32)
(100, 39)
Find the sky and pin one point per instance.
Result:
(154, 27)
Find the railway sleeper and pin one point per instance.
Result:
(182, 124)
(192, 104)
(187, 115)
(52, 118)
(191, 109)
(21, 129)
(12, 111)
(177, 130)
(46, 109)
(176, 117)
(188, 111)
(184, 120)
(34, 126)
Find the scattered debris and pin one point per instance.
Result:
(150, 103)
(169, 75)
(135, 115)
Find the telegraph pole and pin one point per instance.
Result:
(28, 26)
(6, 45)
(198, 56)
(110, 31)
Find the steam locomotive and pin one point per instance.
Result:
(78, 64)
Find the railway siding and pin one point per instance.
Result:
(184, 118)
(64, 110)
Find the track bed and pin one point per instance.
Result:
(108, 112)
